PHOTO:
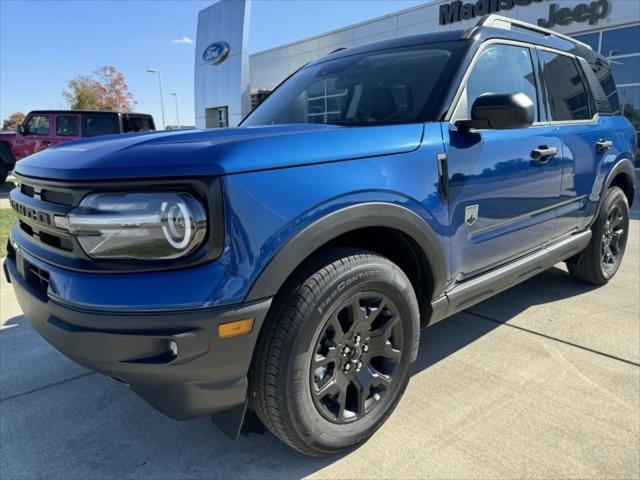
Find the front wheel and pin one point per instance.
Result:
(334, 356)
(599, 262)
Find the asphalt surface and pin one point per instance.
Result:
(541, 381)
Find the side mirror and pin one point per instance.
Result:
(21, 129)
(500, 111)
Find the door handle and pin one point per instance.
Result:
(543, 154)
(603, 145)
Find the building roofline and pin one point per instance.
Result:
(348, 27)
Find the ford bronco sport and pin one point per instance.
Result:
(44, 128)
(285, 267)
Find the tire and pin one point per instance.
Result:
(4, 172)
(314, 318)
(600, 260)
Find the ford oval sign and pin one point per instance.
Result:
(216, 53)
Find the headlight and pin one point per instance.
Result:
(142, 226)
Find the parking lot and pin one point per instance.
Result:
(541, 381)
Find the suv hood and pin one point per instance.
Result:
(7, 134)
(216, 152)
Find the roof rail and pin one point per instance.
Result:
(499, 21)
(337, 50)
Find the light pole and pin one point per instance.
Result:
(175, 95)
(161, 96)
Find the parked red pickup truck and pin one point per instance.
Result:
(44, 128)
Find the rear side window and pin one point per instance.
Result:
(566, 91)
(605, 77)
(68, 126)
(95, 125)
(137, 123)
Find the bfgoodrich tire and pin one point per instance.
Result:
(334, 356)
(599, 262)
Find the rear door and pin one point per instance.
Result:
(67, 128)
(584, 135)
(502, 202)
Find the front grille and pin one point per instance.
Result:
(37, 277)
(53, 240)
(37, 205)
(48, 195)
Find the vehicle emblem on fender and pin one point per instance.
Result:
(471, 214)
(216, 53)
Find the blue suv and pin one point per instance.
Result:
(285, 267)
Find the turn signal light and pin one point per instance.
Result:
(234, 329)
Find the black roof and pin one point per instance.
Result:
(87, 111)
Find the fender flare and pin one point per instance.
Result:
(624, 166)
(6, 156)
(377, 214)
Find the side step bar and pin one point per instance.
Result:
(488, 284)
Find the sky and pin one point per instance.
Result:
(45, 43)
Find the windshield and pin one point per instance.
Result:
(372, 88)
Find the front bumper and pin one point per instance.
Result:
(208, 375)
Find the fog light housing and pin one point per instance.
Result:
(173, 348)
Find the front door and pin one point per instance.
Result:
(502, 199)
(37, 134)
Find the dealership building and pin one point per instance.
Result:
(229, 80)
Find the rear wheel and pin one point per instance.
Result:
(599, 262)
(334, 356)
(4, 172)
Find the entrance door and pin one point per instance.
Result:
(217, 117)
(502, 200)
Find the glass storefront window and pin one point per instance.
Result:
(630, 103)
(626, 69)
(591, 39)
(621, 41)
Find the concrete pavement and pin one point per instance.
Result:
(542, 381)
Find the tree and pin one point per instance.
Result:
(84, 93)
(13, 120)
(105, 89)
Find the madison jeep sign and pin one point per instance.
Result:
(558, 15)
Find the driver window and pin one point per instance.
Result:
(37, 125)
(499, 69)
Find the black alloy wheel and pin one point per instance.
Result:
(602, 257)
(356, 357)
(614, 237)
